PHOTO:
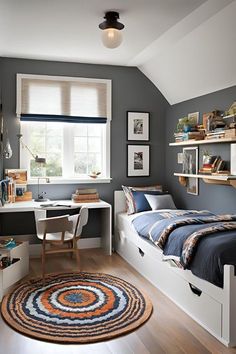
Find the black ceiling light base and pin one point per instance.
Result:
(111, 18)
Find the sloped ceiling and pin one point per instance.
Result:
(185, 47)
(196, 56)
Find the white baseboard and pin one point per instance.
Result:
(95, 242)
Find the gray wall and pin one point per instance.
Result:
(216, 198)
(1, 145)
(131, 90)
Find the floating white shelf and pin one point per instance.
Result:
(201, 142)
(213, 179)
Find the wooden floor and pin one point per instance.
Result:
(169, 330)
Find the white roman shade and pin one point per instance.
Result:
(65, 99)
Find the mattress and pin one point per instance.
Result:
(127, 231)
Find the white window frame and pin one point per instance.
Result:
(25, 157)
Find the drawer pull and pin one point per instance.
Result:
(141, 252)
(195, 290)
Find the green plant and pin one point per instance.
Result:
(181, 123)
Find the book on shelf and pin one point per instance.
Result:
(86, 191)
(217, 165)
(195, 135)
(94, 200)
(215, 134)
(230, 133)
(205, 172)
(221, 173)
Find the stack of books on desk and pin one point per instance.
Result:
(85, 196)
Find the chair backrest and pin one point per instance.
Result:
(79, 221)
(58, 224)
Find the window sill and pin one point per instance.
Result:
(69, 181)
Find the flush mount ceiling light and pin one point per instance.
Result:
(111, 30)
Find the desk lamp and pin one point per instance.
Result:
(39, 160)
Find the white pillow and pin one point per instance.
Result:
(163, 201)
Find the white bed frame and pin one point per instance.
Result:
(212, 307)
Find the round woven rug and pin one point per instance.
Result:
(76, 308)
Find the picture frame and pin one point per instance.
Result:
(19, 176)
(190, 160)
(138, 126)
(138, 160)
(1, 130)
(205, 118)
(193, 118)
(192, 186)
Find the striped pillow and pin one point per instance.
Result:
(130, 202)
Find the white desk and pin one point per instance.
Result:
(106, 217)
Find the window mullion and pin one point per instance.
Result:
(87, 151)
(68, 151)
(106, 149)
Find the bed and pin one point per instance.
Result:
(212, 306)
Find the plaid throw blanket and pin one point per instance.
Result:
(197, 240)
(191, 243)
(189, 246)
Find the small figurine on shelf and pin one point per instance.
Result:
(209, 123)
(217, 120)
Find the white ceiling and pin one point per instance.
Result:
(185, 47)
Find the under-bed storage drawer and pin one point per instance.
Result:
(199, 305)
(196, 303)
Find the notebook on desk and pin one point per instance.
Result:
(47, 205)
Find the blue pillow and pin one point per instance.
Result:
(140, 201)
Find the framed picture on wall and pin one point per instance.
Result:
(193, 118)
(1, 130)
(192, 186)
(190, 160)
(138, 160)
(138, 126)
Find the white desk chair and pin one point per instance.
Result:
(60, 231)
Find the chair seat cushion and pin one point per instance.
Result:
(57, 236)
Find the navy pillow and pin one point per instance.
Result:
(140, 201)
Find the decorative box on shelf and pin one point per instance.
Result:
(18, 267)
(27, 195)
(16, 180)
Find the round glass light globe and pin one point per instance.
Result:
(111, 37)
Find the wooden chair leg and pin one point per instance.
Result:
(76, 251)
(70, 245)
(78, 259)
(43, 263)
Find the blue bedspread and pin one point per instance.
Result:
(197, 240)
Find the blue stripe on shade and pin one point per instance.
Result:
(61, 118)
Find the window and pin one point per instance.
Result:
(67, 122)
